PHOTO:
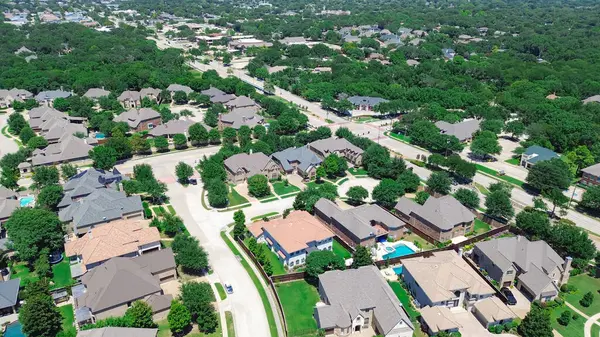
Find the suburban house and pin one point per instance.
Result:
(535, 267)
(441, 219)
(591, 175)
(535, 154)
(242, 166)
(294, 237)
(54, 129)
(448, 53)
(293, 40)
(41, 117)
(99, 208)
(242, 44)
(96, 93)
(121, 238)
(150, 93)
(299, 160)
(9, 201)
(339, 146)
(217, 96)
(241, 102)
(360, 302)
(9, 296)
(7, 97)
(492, 311)
(84, 183)
(239, 117)
(110, 288)
(172, 127)
(47, 97)
(130, 99)
(362, 225)
(438, 319)
(173, 88)
(365, 103)
(69, 148)
(464, 130)
(139, 119)
(118, 332)
(444, 279)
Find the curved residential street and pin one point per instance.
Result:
(7, 145)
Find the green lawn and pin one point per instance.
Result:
(230, 324)
(164, 331)
(235, 198)
(257, 284)
(400, 137)
(575, 327)
(514, 161)
(268, 196)
(276, 264)
(358, 171)
(298, 299)
(482, 189)
(259, 217)
(584, 283)
(61, 274)
(264, 201)
(20, 270)
(418, 241)
(495, 174)
(339, 250)
(280, 189)
(317, 185)
(68, 316)
(596, 330)
(166, 243)
(404, 298)
(158, 210)
(480, 227)
(343, 181)
(221, 291)
(171, 210)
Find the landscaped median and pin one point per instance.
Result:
(496, 175)
(259, 287)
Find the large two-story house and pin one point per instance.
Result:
(242, 166)
(339, 146)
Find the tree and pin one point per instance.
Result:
(591, 198)
(534, 223)
(211, 118)
(26, 134)
(258, 186)
(183, 172)
(579, 158)
(565, 318)
(198, 134)
(259, 132)
(498, 205)
(494, 126)
(239, 230)
(516, 128)
(214, 137)
(320, 261)
(16, 122)
(320, 173)
(536, 323)
(139, 315)
(485, 144)
(44, 176)
(361, 257)
(229, 135)
(439, 182)
(161, 143)
(307, 199)
(33, 229)
(587, 299)
(179, 317)
(68, 171)
(421, 197)
(387, 192)
(50, 196)
(10, 178)
(180, 141)
(558, 199)
(569, 240)
(548, 174)
(180, 97)
(42, 264)
(334, 165)
(39, 316)
(139, 145)
(198, 298)
(227, 58)
(244, 135)
(467, 197)
(189, 254)
(409, 181)
(37, 142)
(357, 194)
(104, 157)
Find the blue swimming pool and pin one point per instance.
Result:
(14, 330)
(100, 135)
(400, 249)
(397, 270)
(27, 201)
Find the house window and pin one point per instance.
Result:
(509, 272)
(150, 126)
(302, 260)
(291, 263)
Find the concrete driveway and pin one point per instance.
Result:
(470, 326)
(523, 304)
(367, 183)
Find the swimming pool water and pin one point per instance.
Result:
(397, 270)
(14, 330)
(401, 250)
(26, 201)
(100, 135)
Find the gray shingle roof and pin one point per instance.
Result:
(366, 100)
(241, 102)
(463, 130)
(96, 93)
(179, 87)
(118, 332)
(51, 95)
(172, 127)
(133, 117)
(593, 170)
(5, 193)
(9, 293)
(444, 213)
(353, 290)
(212, 91)
(330, 145)
(224, 98)
(242, 116)
(86, 182)
(146, 92)
(7, 206)
(303, 155)
(67, 149)
(253, 163)
(129, 95)
(538, 153)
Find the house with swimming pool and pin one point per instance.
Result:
(294, 237)
(364, 225)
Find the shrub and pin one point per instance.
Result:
(587, 299)
(564, 318)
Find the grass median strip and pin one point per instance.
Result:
(230, 326)
(496, 175)
(221, 291)
(257, 284)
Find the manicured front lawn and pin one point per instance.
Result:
(404, 298)
(298, 299)
(171, 210)
(61, 274)
(514, 161)
(260, 217)
(339, 250)
(358, 171)
(480, 227)
(235, 198)
(317, 185)
(400, 137)
(343, 181)
(280, 189)
(482, 189)
(68, 316)
(575, 327)
(596, 329)
(584, 283)
(230, 324)
(495, 174)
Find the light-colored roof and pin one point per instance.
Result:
(5, 193)
(493, 310)
(593, 170)
(294, 232)
(443, 273)
(212, 91)
(147, 92)
(9, 292)
(172, 127)
(592, 99)
(116, 238)
(463, 130)
(133, 117)
(444, 212)
(276, 69)
(330, 145)
(253, 163)
(241, 102)
(68, 148)
(129, 95)
(179, 87)
(86, 182)
(412, 63)
(439, 319)
(96, 93)
(56, 128)
(7, 206)
(118, 332)
(224, 98)
(52, 95)
(353, 290)
(366, 100)
(242, 116)
(302, 155)
(293, 40)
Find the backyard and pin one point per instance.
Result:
(480, 227)
(68, 316)
(584, 283)
(61, 274)
(298, 299)
(413, 314)
(339, 250)
(280, 189)
(418, 241)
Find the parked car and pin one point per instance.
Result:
(228, 288)
(509, 295)
(193, 181)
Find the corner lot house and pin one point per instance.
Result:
(492, 311)
(444, 279)
(360, 302)
(463, 131)
(362, 225)
(242, 166)
(294, 237)
(535, 154)
(118, 332)
(139, 119)
(109, 289)
(439, 218)
(299, 160)
(365, 103)
(591, 175)
(537, 269)
(339, 146)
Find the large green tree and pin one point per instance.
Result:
(439, 182)
(33, 229)
(104, 157)
(189, 254)
(536, 323)
(548, 174)
(320, 261)
(38, 315)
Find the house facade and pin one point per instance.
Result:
(140, 119)
(301, 161)
(130, 99)
(535, 154)
(591, 175)
(242, 166)
(365, 103)
(339, 146)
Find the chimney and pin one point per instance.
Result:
(460, 252)
(250, 151)
(567, 270)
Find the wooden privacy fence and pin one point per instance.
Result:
(288, 277)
